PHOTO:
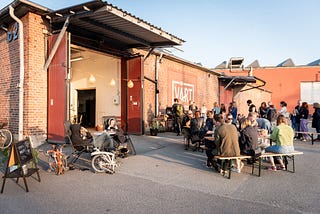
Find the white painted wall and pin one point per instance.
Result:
(310, 92)
(103, 68)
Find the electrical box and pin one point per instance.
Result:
(116, 100)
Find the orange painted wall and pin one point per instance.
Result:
(283, 82)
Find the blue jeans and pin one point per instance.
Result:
(280, 149)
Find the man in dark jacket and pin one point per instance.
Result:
(226, 138)
(178, 113)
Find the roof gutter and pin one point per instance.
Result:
(21, 79)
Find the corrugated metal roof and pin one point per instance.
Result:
(21, 8)
(113, 24)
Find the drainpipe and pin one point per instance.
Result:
(156, 86)
(158, 62)
(21, 80)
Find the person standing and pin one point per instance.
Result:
(203, 111)
(304, 114)
(252, 107)
(296, 118)
(272, 115)
(193, 107)
(285, 112)
(216, 108)
(223, 109)
(263, 109)
(316, 118)
(233, 110)
(178, 113)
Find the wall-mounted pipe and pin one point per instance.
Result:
(21, 77)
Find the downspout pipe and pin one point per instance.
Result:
(21, 78)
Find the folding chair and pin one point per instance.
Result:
(79, 145)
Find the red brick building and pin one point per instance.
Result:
(90, 61)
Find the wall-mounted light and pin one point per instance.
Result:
(112, 82)
(91, 79)
(130, 84)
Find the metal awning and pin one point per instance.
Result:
(240, 81)
(103, 22)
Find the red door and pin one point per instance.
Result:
(226, 96)
(57, 90)
(135, 96)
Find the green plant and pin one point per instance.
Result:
(155, 124)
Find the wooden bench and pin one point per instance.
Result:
(311, 134)
(265, 155)
(223, 163)
(285, 157)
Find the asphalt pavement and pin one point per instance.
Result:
(165, 178)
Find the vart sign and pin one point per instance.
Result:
(183, 91)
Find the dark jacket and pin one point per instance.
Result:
(209, 124)
(248, 140)
(304, 113)
(316, 119)
(79, 140)
(226, 137)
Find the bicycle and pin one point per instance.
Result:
(57, 159)
(5, 137)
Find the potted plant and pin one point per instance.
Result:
(154, 128)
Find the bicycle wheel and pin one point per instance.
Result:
(5, 138)
(53, 164)
(103, 163)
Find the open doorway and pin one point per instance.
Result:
(87, 107)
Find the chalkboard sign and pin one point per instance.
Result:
(20, 154)
(24, 151)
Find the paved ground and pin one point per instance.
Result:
(164, 178)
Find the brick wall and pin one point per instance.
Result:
(171, 69)
(35, 81)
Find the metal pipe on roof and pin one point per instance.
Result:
(21, 77)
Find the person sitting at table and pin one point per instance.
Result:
(283, 136)
(210, 122)
(197, 127)
(251, 140)
(226, 139)
(186, 131)
(248, 139)
(212, 148)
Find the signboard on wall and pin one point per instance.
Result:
(183, 91)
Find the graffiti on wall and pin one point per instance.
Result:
(183, 91)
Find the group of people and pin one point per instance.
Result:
(298, 119)
(112, 139)
(234, 135)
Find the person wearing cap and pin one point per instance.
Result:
(316, 118)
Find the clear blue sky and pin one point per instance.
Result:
(216, 30)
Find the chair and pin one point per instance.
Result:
(79, 144)
(119, 135)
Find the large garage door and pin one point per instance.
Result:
(57, 72)
(135, 96)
